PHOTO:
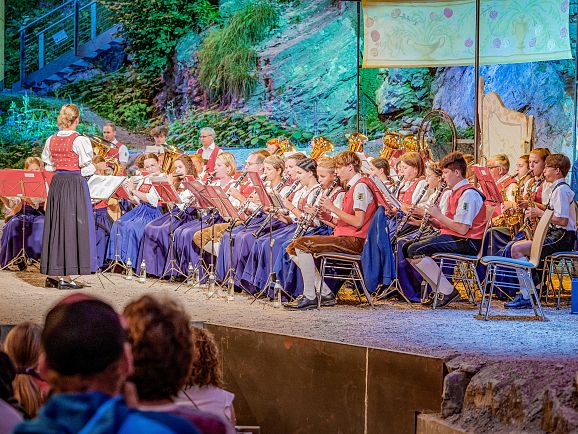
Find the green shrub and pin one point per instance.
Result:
(121, 97)
(227, 58)
(233, 130)
(152, 28)
(25, 124)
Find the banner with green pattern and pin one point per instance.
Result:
(425, 33)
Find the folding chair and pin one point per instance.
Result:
(463, 267)
(347, 268)
(502, 266)
(561, 264)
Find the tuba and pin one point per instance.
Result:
(100, 147)
(319, 146)
(283, 145)
(391, 143)
(169, 157)
(356, 142)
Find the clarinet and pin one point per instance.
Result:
(426, 216)
(397, 185)
(307, 221)
(261, 228)
(278, 188)
(407, 215)
(180, 214)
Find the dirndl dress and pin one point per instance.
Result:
(11, 242)
(69, 237)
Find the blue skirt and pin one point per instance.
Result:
(154, 248)
(11, 242)
(130, 228)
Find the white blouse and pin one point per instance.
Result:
(81, 146)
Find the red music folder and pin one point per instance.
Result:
(24, 183)
(487, 184)
(165, 190)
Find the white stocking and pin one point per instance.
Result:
(429, 270)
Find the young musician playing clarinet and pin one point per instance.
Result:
(461, 227)
(353, 221)
(561, 234)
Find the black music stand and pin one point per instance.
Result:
(274, 203)
(168, 196)
(24, 184)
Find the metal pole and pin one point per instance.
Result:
(574, 132)
(2, 61)
(477, 85)
(76, 27)
(358, 59)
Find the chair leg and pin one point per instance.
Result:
(362, 282)
(477, 282)
(493, 281)
(437, 288)
(320, 286)
(561, 287)
(486, 280)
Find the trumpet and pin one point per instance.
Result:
(407, 215)
(425, 221)
(307, 220)
(180, 214)
(270, 216)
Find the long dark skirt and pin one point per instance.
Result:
(11, 243)
(130, 228)
(69, 238)
(103, 225)
(154, 248)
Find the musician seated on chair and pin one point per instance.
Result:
(359, 206)
(461, 227)
(208, 150)
(118, 151)
(561, 234)
(159, 135)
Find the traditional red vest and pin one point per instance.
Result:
(502, 186)
(344, 229)
(114, 152)
(210, 166)
(63, 156)
(476, 230)
(406, 196)
(101, 204)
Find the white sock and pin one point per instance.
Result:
(429, 270)
(310, 274)
(212, 247)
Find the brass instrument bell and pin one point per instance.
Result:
(169, 157)
(319, 146)
(356, 142)
(391, 142)
(283, 145)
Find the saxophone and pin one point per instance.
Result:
(530, 223)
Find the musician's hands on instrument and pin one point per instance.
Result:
(327, 203)
(434, 210)
(523, 204)
(325, 216)
(534, 212)
(308, 209)
(414, 221)
(287, 204)
(418, 211)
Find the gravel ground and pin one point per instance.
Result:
(390, 325)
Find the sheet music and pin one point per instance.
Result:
(386, 193)
(103, 187)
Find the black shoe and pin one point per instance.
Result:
(328, 300)
(305, 304)
(51, 283)
(519, 302)
(21, 264)
(63, 284)
(444, 300)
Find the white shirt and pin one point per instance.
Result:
(469, 204)
(362, 195)
(562, 202)
(303, 192)
(420, 187)
(122, 152)
(81, 146)
(209, 150)
(154, 149)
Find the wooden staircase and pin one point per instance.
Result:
(63, 41)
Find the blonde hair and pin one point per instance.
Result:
(228, 160)
(326, 162)
(33, 160)
(434, 167)
(68, 114)
(275, 161)
(502, 160)
(22, 345)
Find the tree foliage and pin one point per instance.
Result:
(227, 58)
(152, 28)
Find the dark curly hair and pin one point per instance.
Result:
(206, 367)
(162, 346)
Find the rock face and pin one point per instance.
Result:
(307, 78)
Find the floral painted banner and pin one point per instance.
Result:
(420, 33)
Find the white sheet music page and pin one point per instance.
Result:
(103, 187)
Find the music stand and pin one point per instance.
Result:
(274, 202)
(202, 203)
(120, 193)
(24, 184)
(488, 184)
(168, 195)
